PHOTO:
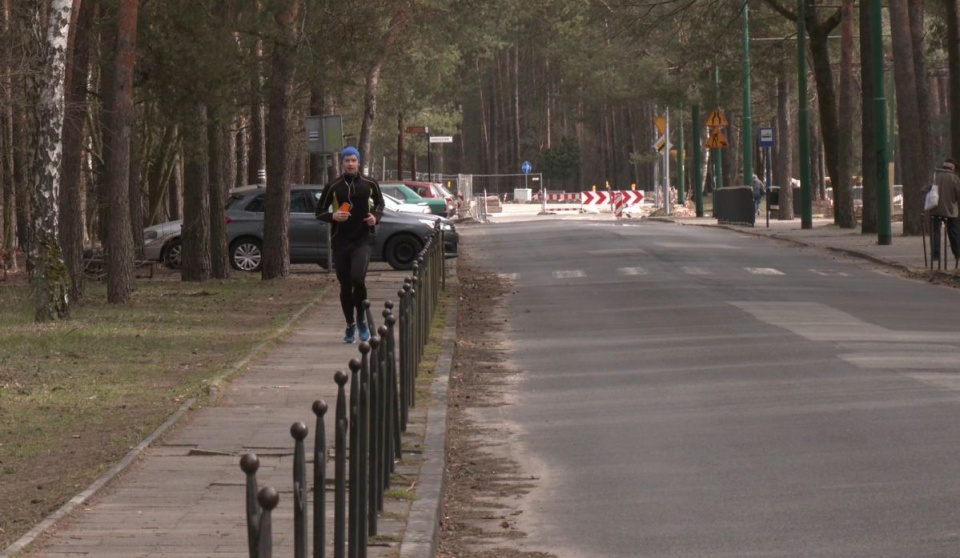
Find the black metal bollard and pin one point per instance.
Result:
(364, 450)
(373, 459)
(249, 463)
(340, 469)
(319, 480)
(404, 354)
(394, 394)
(353, 517)
(385, 432)
(299, 432)
(268, 500)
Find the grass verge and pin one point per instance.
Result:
(76, 395)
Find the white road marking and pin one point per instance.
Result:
(764, 271)
(830, 273)
(569, 273)
(508, 276)
(633, 271)
(695, 271)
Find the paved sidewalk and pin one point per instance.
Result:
(184, 494)
(904, 252)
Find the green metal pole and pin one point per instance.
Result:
(884, 236)
(747, 115)
(681, 157)
(715, 154)
(806, 199)
(697, 173)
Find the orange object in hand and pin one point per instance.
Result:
(345, 207)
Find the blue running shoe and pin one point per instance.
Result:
(351, 336)
(364, 331)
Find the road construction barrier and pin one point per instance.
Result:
(561, 197)
(607, 198)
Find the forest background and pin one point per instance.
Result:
(119, 114)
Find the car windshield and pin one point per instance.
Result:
(443, 190)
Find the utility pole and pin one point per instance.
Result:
(806, 217)
(716, 154)
(697, 176)
(884, 236)
(681, 189)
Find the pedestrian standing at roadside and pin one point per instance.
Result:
(757, 193)
(353, 205)
(948, 208)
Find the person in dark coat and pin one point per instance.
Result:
(353, 205)
(948, 208)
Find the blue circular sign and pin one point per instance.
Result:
(526, 167)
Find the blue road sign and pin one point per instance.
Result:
(766, 137)
(526, 167)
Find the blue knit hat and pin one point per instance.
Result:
(349, 151)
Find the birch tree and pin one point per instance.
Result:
(48, 273)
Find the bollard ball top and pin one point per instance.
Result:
(382, 331)
(249, 463)
(375, 341)
(268, 498)
(364, 347)
(391, 320)
(365, 304)
(354, 365)
(299, 431)
(320, 406)
(388, 305)
(340, 378)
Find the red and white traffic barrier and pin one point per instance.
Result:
(559, 197)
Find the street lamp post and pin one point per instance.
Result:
(806, 218)
(884, 236)
(747, 115)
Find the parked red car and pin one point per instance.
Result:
(433, 190)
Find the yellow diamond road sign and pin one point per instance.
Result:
(661, 124)
(717, 140)
(715, 119)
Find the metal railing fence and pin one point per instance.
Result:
(368, 428)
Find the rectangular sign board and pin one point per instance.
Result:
(324, 134)
(766, 137)
(441, 139)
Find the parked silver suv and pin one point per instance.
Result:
(400, 236)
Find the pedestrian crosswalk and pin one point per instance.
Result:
(686, 270)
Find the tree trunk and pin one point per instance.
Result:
(276, 222)
(196, 264)
(119, 242)
(908, 119)
(48, 274)
(868, 218)
(953, 57)
(9, 187)
(924, 102)
(783, 155)
(842, 188)
(395, 29)
(218, 161)
(72, 188)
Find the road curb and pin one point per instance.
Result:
(422, 533)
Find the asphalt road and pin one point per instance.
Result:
(689, 391)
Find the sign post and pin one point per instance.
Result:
(767, 141)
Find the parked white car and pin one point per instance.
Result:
(404, 207)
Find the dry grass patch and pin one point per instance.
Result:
(76, 395)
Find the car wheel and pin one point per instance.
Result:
(246, 254)
(401, 251)
(173, 255)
